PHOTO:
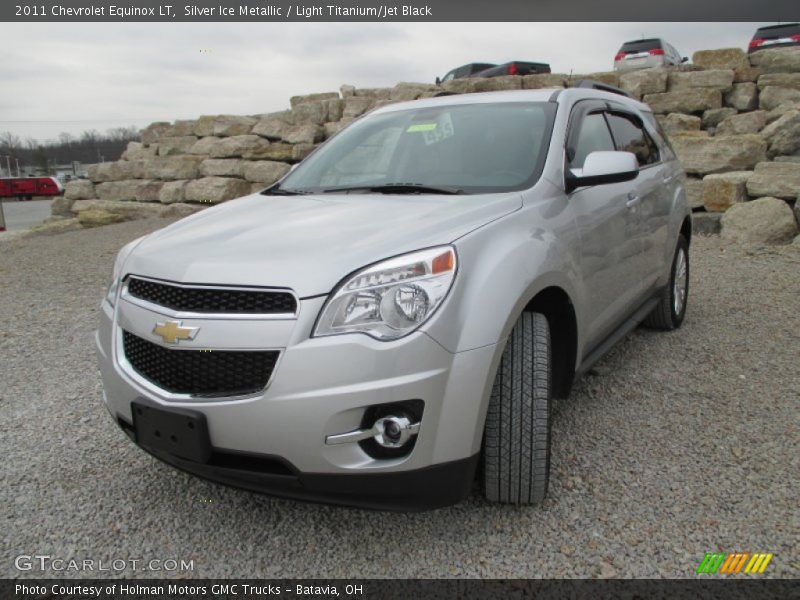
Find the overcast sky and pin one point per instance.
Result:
(71, 77)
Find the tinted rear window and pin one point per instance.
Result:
(640, 46)
(780, 31)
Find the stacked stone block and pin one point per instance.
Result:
(732, 119)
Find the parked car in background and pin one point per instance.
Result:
(505, 242)
(646, 54)
(25, 188)
(465, 71)
(775, 36)
(516, 67)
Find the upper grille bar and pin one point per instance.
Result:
(203, 299)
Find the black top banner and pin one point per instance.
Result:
(388, 10)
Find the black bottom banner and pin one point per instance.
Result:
(389, 589)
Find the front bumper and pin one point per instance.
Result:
(274, 442)
(427, 488)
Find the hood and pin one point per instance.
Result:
(307, 243)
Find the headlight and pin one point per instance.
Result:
(392, 298)
(111, 294)
(119, 262)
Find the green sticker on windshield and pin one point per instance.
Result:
(421, 127)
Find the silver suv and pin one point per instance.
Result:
(647, 54)
(399, 313)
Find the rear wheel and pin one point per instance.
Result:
(671, 308)
(516, 459)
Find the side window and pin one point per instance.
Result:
(630, 137)
(667, 153)
(593, 135)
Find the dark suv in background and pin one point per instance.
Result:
(515, 67)
(775, 36)
(465, 71)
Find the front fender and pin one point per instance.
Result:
(502, 266)
(679, 210)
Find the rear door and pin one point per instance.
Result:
(611, 243)
(649, 201)
(23, 187)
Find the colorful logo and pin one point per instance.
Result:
(734, 562)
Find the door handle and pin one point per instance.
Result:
(668, 179)
(633, 200)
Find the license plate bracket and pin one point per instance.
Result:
(179, 431)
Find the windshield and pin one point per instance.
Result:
(468, 148)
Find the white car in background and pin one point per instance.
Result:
(647, 54)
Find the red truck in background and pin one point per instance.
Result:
(25, 188)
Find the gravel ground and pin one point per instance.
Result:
(678, 444)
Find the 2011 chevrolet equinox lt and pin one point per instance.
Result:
(399, 312)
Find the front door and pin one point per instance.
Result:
(609, 229)
(653, 201)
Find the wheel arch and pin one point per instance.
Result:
(686, 229)
(556, 305)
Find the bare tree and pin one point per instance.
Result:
(89, 147)
(10, 143)
(90, 135)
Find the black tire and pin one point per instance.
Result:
(666, 316)
(516, 458)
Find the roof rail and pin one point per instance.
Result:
(596, 85)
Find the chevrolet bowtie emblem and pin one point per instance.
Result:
(171, 332)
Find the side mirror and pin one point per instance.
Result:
(685, 59)
(602, 167)
(438, 81)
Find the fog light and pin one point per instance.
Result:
(391, 430)
(394, 432)
(388, 432)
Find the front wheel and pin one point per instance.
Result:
(516, 458)
(671, 308)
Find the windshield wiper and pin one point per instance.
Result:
(279, 191)
(397, 188)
